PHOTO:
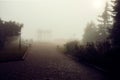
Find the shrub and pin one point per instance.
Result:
(72, 47)
(100, 54)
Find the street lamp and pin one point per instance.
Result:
(20, 41)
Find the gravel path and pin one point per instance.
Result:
(44, 62)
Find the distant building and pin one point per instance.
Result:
(44, 35)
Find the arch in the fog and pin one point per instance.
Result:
(44, 35)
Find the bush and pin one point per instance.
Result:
(99, 54)
(72, 47)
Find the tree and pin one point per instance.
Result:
(100, 32)
(1, 33)
(105, 23)
(115, 32)
(9, 29)
(90, 33)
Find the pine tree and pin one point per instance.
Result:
(115, 32)
(104, 23)
(90, 33)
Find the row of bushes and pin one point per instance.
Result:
(100, 54)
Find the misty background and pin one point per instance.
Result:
(64, 19)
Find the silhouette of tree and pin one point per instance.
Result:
(99, 33)
(105, 23)
(115, 32)
(90, 34)
(8, 29)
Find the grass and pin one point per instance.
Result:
(12, 53)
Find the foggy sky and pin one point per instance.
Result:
(65, 18)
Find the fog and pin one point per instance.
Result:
(61, 19)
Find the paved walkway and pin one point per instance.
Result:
(44, 62)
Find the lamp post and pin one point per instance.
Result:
(20, 41)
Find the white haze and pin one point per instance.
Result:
(64, 18)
